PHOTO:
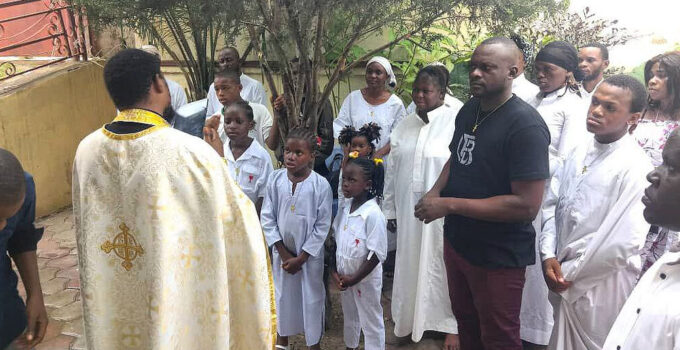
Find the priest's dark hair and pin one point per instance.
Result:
(373, 170)
(128, 76)
(371, 131)
(637, 90)
(12, 180)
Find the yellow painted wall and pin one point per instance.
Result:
(43, 121)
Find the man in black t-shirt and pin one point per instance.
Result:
(489, 192)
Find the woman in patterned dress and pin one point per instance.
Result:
(662, 116)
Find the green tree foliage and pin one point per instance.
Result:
(327, 34)
(189, 30)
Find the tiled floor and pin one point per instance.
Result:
(58, 263)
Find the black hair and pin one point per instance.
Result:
(229, 75)
(371, 131)
(245, 107)
(670, 62)
(373, 170)
(128, 76)
(12, 180)
(436, 74)
(304, 134)
(637, 90)
(604, 52)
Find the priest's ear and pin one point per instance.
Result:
(159, 87)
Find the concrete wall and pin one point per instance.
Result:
(43, 121)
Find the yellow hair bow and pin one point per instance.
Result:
(353, 155)
(377, 161)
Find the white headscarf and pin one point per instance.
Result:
(392, 81)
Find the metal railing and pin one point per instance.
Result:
(60, 23)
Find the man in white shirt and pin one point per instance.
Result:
(650, 318)
(252, 91)
(593, 228)
(178, 97)
(593, 60)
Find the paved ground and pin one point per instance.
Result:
(58, 263)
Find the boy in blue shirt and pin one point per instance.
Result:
(21, 327)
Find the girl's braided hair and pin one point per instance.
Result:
(300, 133)
(373, 170)
(370, 131)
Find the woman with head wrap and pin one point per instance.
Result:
(373, 104)
(559, 101)
(560, 104)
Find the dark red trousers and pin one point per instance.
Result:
(486, 303)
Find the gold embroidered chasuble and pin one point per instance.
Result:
(171, 252)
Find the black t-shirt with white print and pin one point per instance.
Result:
(511, 144)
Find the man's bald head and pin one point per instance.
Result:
(12, 181)
(506, 46)
(493, 66)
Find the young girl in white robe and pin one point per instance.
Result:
(296, 218)
(249, 163)
(359, 143)
(361, 239)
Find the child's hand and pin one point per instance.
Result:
(336, 279)
(212, 137)
(347, 281)
(392, 225)
(293, 265)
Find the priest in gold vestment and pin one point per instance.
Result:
(171, 252)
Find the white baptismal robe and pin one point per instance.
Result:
(171, 253)
(251, 170)
(355, 111)
(301, 220)
(420, 297)
(524, 89)
(650, 319)
(593, 225)
(565, 115)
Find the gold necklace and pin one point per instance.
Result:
(479, 122)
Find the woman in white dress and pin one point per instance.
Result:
(662, 116)
(375, 103)
(560, 104)
(419, 144)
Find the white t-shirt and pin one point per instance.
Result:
(253, 91)
(251, 170)
(357, 112)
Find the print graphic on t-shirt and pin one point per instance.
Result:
(465, 147)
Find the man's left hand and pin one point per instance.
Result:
(430, 209)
